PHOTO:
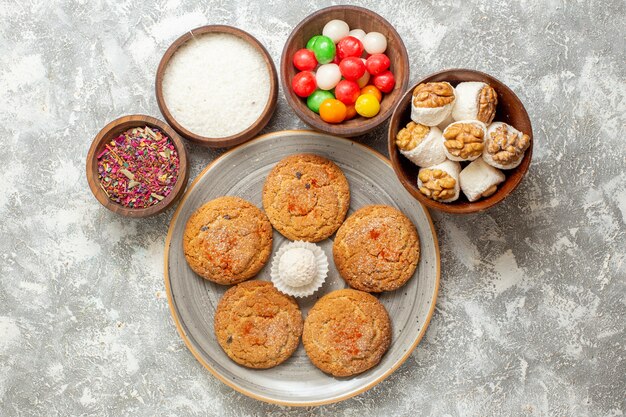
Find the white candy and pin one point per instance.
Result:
(431, 116)
(489, 158)
(466, 103)
(328, 76)
(297, 267)
(357, 33)
(375, 43)
(475, 122)
(336, 30)
(478, 177)
(365, 78)
(429, 152)
(453, 169)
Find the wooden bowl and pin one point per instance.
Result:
(509, 110)
(355, 17)
(226, 141)
(110, 132)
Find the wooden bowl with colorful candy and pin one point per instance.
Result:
(343, 70)
(137, 166)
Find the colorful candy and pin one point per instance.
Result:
(324, 49)
(352, 68)
(336, 30)
(370, 89)
(377, 63)
(304, 60)
(327, 76)
(375, 43)
(347, 91)
(333, 111)
(357, 33)
(349, 46)
(315, 100)
(309, 44)
(367, 105)
(384, 81)
(362, 82)
(336, 81)
(350, 112)
(303, 83)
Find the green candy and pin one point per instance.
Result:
(324, 49)
(309, 44)
(315, 100)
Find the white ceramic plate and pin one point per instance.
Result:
(242, 172)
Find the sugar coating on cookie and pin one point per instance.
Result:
(346, 332)
(257, 325)
(227, 240)
(376, 249)
(306, 197)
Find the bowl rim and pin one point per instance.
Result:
(104, 135)
(337, 129)
(237, 138)
(515, 175)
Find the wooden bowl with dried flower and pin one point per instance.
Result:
(127, 170)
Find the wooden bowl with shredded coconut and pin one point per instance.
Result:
(355, 17)
(217, 86)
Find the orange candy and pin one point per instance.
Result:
(370, 89)
(333, 111)
(350, 112)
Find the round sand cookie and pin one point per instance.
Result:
(376, 249)
(257, 325)
(346, 332)
(227, 240)
(306, 197)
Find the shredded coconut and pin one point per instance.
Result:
(216, 85)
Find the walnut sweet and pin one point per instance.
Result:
(487, 102)
(433, 94)
(411, 136)
(507, 145)
(437, 184)
(489, 191)
(464, 140)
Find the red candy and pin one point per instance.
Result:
(304, 84)
(349, 46)
(352, 68)
(304, 60)
(377, 63)
(384, 81)
(347, 91)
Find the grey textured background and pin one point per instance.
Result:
(532, 309)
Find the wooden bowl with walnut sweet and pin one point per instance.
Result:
(509, 110)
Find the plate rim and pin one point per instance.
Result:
(224, 380)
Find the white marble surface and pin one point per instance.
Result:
(532, 310)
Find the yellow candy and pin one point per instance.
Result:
(367, 105)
